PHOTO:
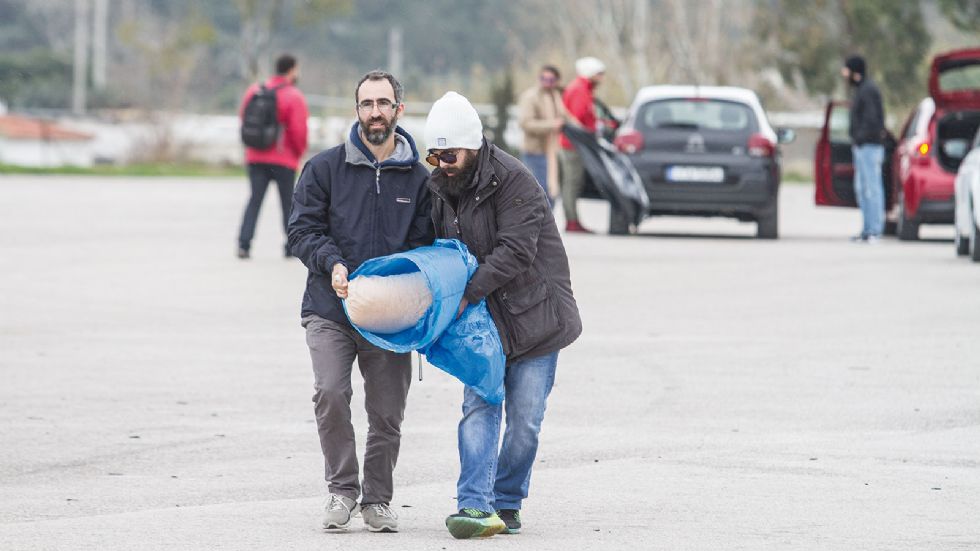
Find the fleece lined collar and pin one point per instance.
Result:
(404, 156)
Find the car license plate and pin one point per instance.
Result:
(710, 174)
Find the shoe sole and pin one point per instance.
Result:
(461, 528)
(381, 529)
(336, 527)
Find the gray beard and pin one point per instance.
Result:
(379, 137)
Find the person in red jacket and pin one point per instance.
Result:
(277, 163)
(578, 100)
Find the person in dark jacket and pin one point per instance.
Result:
(490, 201)
(867, 131)
(363, 199)
(278, 162)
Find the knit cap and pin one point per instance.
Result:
(453, 123)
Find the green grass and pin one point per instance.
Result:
(796, 177)
(147, 169)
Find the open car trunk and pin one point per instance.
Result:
(954, 135)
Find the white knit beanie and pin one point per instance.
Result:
(453, 123)
(589, 67)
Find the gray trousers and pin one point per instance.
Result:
(572, 182)
(387, 375)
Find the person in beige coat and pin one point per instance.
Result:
(542, 115)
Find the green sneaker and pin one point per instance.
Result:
(474, 523)
(512, 519)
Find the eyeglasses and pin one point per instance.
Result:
(383, 105)
(447, 156)
(547, 80)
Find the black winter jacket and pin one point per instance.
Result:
(505, 221)
(349, 208)
(867, 114)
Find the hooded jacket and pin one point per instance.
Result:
(348, 208)
(292, 114)
(504, 219)
(867, 124)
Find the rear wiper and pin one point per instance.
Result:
(688, 125)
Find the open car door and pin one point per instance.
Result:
(833, 164)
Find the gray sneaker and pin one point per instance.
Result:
(378, 517)
(338, 511)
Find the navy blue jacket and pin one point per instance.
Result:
(349, 208)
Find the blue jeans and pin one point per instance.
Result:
(538, 165)
(868, 187)
(488, 481)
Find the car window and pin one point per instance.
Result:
(840, 122)
(960, 78)
(956, 148)
(910, 128)
(697, 113)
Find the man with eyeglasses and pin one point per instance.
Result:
(488, 199)
(542, 114)
(356, 201)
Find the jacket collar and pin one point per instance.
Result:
(277, 80)
(404, 156)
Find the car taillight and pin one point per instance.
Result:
(629, 141)
(922, 153)
(761, 146)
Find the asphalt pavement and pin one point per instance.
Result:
(727, 393)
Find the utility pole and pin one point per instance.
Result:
(395, 52)
(100, 17)
(80, 65)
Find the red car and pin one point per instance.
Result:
(920, 169)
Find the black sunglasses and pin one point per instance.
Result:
(445, 156)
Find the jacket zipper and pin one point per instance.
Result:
(459, 233)
(377, 179)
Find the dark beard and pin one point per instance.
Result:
(378, 137)
(454, 185)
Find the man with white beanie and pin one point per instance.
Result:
(490, 201)
(579, 104)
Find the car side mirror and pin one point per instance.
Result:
(785, 135)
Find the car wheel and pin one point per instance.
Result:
(767, 224)
(906, 228)
(961, 243)
(973, 246)
(618, 224)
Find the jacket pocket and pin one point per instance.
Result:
(533, 316)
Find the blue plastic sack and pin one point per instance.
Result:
(467, 348)
(447, 265)
(470, 350)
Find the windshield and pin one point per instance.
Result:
(966, 77)
(697, 114)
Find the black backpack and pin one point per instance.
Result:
(260, 121)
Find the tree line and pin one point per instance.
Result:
(198, 56)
